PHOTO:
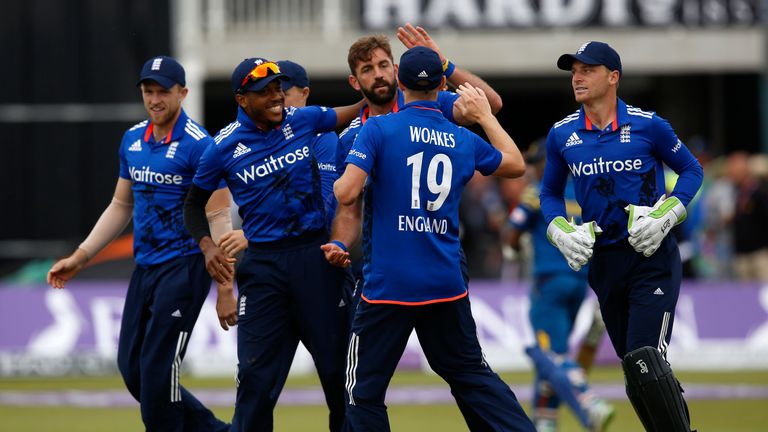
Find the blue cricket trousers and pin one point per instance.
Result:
(637, 295)
(288, 293)
(161, 307)
(448, 336)
(555, 302)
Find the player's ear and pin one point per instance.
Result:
(305, 93)
(354, 83)
(241, 100)
(613, 78)
(183, 92)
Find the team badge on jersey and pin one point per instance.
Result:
(172, 150)
(288, 132)
(624, 134)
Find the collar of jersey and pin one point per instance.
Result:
(621, 119)
(176, 132)
(399, 101)
(423, 105)
(246, 121)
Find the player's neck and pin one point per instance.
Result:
(160, 131)
(601, 112)
(376, 109)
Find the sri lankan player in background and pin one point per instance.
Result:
(556, 297)
(615, 154)
(158, 158)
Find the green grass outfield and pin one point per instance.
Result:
(708, 415)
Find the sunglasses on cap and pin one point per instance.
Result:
(259, 72)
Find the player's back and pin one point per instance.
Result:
(421, 163)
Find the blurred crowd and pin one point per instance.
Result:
(724, 237)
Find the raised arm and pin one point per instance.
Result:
(412, 36)
(348, 220)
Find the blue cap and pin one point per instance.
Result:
(295, 73)
(245, 67)
(164, 70)
(420, 69)
(592, 53)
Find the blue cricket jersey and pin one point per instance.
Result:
(614, 167)
(324, 146)
(527, 216)
(161, 173)
(445, 100)
(273, 175)
(418, 163)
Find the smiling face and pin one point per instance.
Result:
(375, 78)
(264, 107)
(593, 83)
(163, 105)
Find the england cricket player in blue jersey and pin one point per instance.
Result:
(615, 152)
(158, 159)
(556, 297)
(287, 291)
(417, 163)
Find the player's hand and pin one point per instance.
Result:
(336, 255)
(226, 305)
(233, 242)
(66, 268)
(647, 226)
(412, 36)
(574, 241)
(219, 265)
(472, 103)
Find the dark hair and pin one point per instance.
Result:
(362, 50)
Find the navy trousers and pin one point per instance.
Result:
(161, 308)
(637, 295)
(448, 336)
(288, 293)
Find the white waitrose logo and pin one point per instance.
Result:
(361, 155)
(624, 134)
(573, 140)
(288, 132)
(156, 63)
(172, 150)
(677, 146)
(146, 175)
(240, 150)
(423, 74)
(599, 166)
(272, 164)
(136, 146)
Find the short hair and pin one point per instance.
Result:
(362, 49)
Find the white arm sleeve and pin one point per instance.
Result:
(220, 222)
(111, 223)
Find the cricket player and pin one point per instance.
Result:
(614, 152)
(158, 158)
(416, 163)
(556, 297)
(287, 291)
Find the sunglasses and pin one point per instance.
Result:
(259, 72)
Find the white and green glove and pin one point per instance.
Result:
(574, 241)
(647, 226)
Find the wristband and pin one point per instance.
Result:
(448, 68)
(339, 244)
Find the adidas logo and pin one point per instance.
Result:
(240, 150)
(573, 140)
(423, 74)
(658, 292)
(342, 303)
(135, 146)
(176, 314)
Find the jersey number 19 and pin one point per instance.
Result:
(441, 188)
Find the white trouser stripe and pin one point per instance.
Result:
(352, 366)
(662, 346)
(176, 367)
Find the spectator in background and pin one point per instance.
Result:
(482, 213)
(750, 238)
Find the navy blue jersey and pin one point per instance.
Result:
(614, 167)
(527, 216)
(324, 146)
(418, 163)
(161, 173)
(445, 100)
(273, 175)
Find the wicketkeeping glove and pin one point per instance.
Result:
(647, 226)
(574, 241)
